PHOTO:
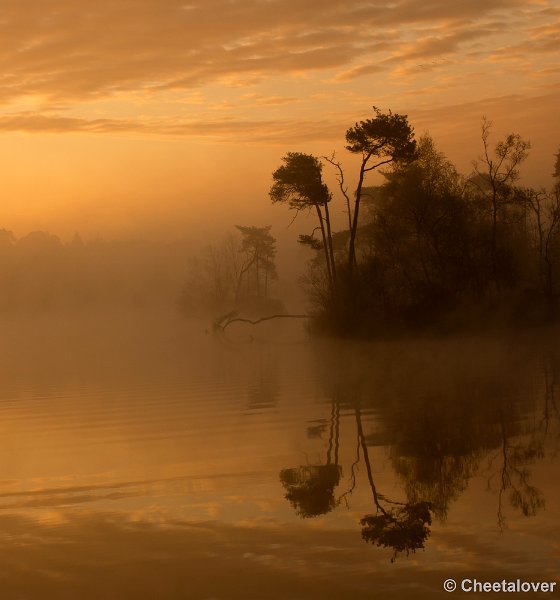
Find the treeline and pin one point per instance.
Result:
(39, 272)
(429, 247)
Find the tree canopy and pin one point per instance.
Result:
(386, 138)
(299, 182)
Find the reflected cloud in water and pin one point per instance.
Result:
(169, 465)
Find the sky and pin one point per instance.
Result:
(166, 116)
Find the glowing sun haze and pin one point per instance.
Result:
(120, 115)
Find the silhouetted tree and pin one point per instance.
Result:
(385, 139)
(299, 183)
(432, 247)
(417, 256)
(544, 208)
(496, 172)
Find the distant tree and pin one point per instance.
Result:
(7, 243)
(77, 243)
(234, 273)
(299, 183)
(385, 139)
(38, 243)
(7, 239)
(213, 278)
(259, 248)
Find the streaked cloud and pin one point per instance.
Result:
(231, 130)
(72, 51)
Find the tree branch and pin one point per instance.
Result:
(221, 325)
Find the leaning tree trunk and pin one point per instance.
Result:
(325, 246)
(330, 246)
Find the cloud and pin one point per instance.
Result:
(69, 50)
(261, 100)
(36, 122)
(514, 105)
(544, 39)
(268, 131)
(432, 48)
(359, 71)
(285, 128)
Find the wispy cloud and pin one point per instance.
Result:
(237, 130)
(282, 130)
(212, 68)
(72, 51)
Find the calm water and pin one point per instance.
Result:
(143, 458)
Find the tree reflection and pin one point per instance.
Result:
(440, 426)
(516, 455)
(310, 488)
(400, 526)
(437, 453)
(436, 450)
(404, 528)
(550, 376)
(263, 390)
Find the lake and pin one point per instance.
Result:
(144, 457)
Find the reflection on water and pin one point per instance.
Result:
(143, 458)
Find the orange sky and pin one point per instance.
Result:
(120, 115)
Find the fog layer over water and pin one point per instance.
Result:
(145, 457)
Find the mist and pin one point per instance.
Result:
(279, 299)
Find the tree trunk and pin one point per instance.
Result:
(354, 230)
(330, 246)
(325, 246)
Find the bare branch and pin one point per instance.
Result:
(223, 323)
(343, 188)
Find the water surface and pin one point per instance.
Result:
(144, 458)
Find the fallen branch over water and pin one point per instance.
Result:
(230, 318)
